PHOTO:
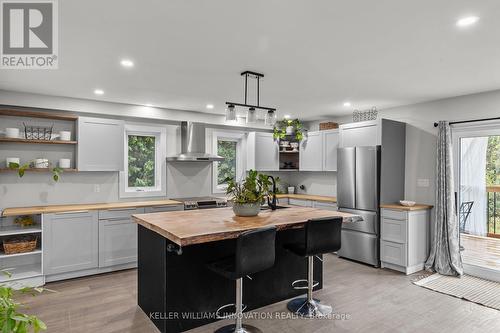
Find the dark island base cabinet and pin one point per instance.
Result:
(178, 292)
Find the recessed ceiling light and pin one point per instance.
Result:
(127, 63)
(347, 104)
(287, 116)
(210, 106)
(99, 92)
(467, 21)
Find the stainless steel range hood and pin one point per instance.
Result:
(193, 144)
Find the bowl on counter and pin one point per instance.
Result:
(407, 203)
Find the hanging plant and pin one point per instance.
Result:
(21, 169)
(289, 127)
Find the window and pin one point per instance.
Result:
(144, 169)
(227, 145)
(226, 170)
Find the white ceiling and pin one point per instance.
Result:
(315, 54)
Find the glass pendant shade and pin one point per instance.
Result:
(251, 116)
(230, 113)
(270, 118)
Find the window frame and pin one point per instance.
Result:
(160, 188)
(233, 137)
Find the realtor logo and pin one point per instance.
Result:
(29, 34)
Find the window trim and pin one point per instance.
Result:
(160, 188)
(227, 136)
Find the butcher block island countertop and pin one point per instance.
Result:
(202, 226)
(16, 211)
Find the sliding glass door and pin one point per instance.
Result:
(477, 186)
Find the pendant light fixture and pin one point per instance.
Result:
(270, 118)
(251, 116)
(230, 113)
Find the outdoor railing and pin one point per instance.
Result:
(493, 210)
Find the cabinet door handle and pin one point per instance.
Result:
(120, 209)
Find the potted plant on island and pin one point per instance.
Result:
(249, 194)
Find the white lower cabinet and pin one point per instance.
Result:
(311, 203)
(118, 237)
(300, 202)
(404, 239)
(70, 242)
(91, 242)
(325, 205)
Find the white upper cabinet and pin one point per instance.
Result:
(330, 145)
(100, 144)
(262, 152)
(365, 133)
(311, 152)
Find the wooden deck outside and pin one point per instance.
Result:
(481, 251)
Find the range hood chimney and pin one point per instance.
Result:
(193, 144)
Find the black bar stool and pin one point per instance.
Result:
(322, 236)
(255, 252)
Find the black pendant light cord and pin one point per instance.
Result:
(257, 76)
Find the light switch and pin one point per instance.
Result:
(97, 188)
(423, 182)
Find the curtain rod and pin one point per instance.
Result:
(469, 121)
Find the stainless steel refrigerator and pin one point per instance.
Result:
(358, 192)
(366, 177)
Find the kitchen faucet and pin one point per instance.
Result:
(272, 203)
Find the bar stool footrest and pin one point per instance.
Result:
(297, 284)
(228, 316)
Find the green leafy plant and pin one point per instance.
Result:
(21, 169)
(279, 131)
(11, 319)
(255, 188)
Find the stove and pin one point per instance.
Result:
(202, 202)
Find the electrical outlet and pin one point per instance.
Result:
(97, 188)
(423, 182)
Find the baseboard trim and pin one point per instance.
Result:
(87, 272)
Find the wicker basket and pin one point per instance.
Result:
(20, 244)
(328, 125)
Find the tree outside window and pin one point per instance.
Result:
(226, 169)
(141, 161)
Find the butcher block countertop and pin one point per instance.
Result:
(322, 198)
(79, 207)
(400, 207)
(202, 226)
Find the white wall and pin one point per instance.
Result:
(183, 179)
(421, 134)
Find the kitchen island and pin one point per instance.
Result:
(178, 292)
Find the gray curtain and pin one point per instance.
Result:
(445, 255)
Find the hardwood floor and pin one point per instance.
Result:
(481, 251)
(376, 300)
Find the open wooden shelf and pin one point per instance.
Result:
(39, 142)
(36, 114)
(37, 170)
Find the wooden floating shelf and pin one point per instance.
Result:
(36, 114)
(289, 152)
(37, 170)
(39, 142)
